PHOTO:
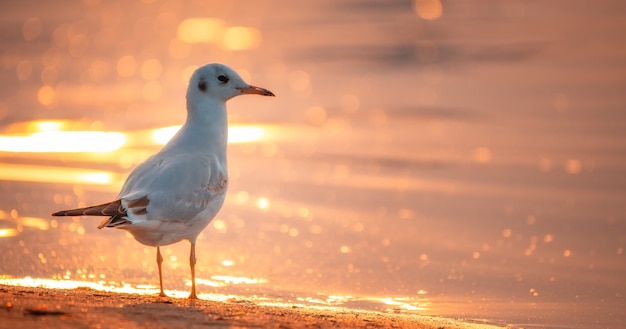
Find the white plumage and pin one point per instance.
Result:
(175, 193)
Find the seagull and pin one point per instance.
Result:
(175, 193)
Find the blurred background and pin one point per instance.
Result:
(449, 158)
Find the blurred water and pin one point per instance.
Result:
(467, 162)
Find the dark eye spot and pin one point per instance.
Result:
(223, 78)
(202, 85)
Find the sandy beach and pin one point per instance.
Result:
(22, 307)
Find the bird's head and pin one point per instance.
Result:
(220, 82)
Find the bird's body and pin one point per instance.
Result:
(175, 193)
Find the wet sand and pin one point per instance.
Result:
(86, 308)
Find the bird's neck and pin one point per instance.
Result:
(206, 128)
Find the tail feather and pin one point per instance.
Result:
(114, 221)
(113, 208)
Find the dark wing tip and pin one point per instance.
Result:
(71, 212)
(106, 209)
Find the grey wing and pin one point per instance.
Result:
(116, 210)
(178, 188)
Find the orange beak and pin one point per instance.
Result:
(253, 90)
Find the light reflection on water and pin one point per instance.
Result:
(432, 158)
(51, 137)
(332, 302)
(7, 232)
(111, 287)
(236, 134)
(46, 174)
(67, 141)
(48, 137)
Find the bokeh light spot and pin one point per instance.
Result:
(46, 95)
(573, 166)
(428, 9)
(316, 115)
(200, 30)
(242, 38)
(482, 155)
(32, 28)
(263, 203)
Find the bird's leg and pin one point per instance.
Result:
(159, 262)
(192, 265)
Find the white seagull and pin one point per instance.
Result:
(175, 193)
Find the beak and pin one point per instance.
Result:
(255, 90)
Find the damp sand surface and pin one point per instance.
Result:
(22, 307)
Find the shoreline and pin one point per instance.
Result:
(31, 307)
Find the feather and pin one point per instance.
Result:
(113, 208)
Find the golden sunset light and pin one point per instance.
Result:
(236, 134)
(64, 141)
(331, 164)
(35, 173)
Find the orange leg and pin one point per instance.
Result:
(192, 265)
(159, 262)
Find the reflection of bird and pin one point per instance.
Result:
(174, 194)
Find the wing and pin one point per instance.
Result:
(164, 189)
(117, 210)
(106, 209)
(177, 188)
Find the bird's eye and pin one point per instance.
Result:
(222, 78)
